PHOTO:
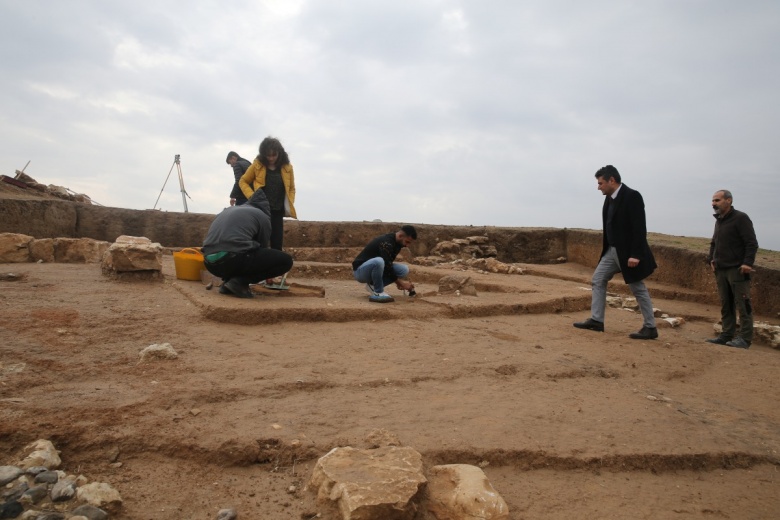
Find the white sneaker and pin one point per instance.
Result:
(382, 297)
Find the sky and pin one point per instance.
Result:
(496, 112)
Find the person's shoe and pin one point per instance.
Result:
(236, 288)
(382, 297)
(645, 333)
(370, 288)
(738, 342)
(720, 340)
(590, 324)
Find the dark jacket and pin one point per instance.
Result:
(240, 166)
(385, 246)
(733, 242)
(629, 234)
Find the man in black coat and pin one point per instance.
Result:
(625, 249)
(240, 165)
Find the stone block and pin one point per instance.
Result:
(132, 255)
(42, 249)
(462, 492)
(79, 250)
(377, 484)
(14, 248)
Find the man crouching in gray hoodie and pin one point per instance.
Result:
(236, 247)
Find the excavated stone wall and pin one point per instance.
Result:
(55, 219)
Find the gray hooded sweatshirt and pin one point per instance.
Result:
(239, 229)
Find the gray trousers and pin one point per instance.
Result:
(608, 266)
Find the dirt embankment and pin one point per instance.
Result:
(680, 259)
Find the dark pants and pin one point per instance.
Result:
(277, 229)
(734, 292)
(252, 266)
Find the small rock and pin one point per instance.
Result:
(50, 516)
(34, 495)
(227, 514)
(91, 512)
(161, 351)
(11, 509)
(35, 470)
(64, 489)
(13, 493)
(195, 411)
(43, 454)
(47, 477)
(100, 494)
(9, 474)
(113, 454)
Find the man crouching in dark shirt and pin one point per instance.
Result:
(374, 265)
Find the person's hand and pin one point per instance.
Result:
(404, 285)
(633, 262)
(232, 202)
(745, 269)
(712, 264)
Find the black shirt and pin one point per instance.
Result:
(384, 246)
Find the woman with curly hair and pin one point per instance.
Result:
(272, 172)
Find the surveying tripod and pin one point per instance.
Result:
(184, 193)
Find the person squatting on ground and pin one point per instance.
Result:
(240, 166)
(732, 254)
(375, 265)
(236, 247)
(272, 172)
(625, 249)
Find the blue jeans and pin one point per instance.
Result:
(608, 266)
(372, 271)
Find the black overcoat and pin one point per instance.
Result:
(629, 232)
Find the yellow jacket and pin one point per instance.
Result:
(254, 179)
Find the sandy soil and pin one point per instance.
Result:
(566, 423)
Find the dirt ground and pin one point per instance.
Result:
(565, 423)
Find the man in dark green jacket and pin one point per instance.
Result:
(732, 254)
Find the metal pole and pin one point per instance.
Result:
(164, 183)
(19, 173)
(184, 194)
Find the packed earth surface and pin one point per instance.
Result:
(565, 423)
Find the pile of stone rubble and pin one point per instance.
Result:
(24, 181)
(34, 489)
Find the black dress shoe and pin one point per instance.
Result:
(590, 324)
(645, 333)
(236, 288)
(720, 340)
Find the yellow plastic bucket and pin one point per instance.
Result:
(188, 263)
